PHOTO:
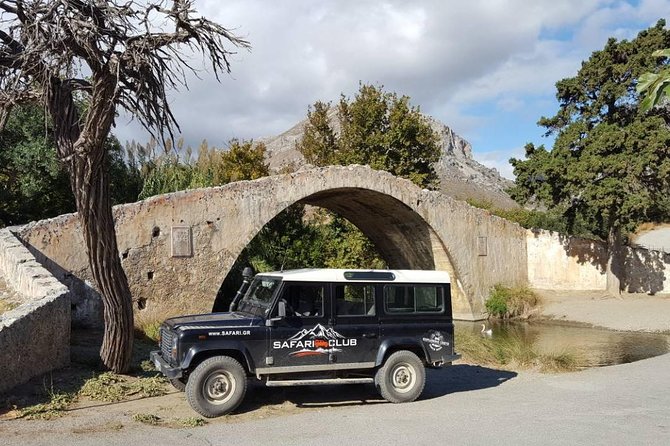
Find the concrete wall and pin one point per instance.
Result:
(646, 271)
(558, 262)
(35, 336)
(177, 248)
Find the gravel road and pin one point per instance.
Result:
(658, 238)
(463, 404)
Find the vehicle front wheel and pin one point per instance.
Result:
(402, 377)
(179, 384)
(216, 386)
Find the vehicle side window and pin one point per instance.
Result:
(355, 300)
(304, 300)
(413, 299)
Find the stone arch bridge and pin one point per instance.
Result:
(177, 248)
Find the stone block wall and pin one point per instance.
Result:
(35, 336)
(559, 262)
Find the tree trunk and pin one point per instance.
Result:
(4, 116)
(614, 262)
(82, 150)
(95, 213)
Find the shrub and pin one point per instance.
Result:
(505, 302)
(496, 304)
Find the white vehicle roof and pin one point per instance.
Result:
(362, 275)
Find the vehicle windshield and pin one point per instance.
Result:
(259, 296)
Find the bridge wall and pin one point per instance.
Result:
(177, 248)
(563, 263)
(35, 336)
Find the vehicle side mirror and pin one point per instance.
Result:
(281, 309)
(281, 314)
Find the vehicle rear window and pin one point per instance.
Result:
(413, 299)
(355, 300)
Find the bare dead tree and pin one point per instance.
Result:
(105, 55)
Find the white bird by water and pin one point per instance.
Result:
(488, 333)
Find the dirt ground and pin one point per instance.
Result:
(655, 237)
(171, 409)
(628, 312)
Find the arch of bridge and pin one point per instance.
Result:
(177, 248)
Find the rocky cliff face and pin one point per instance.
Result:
(461, 176)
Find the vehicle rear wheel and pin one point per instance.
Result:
(402, 377)
(216, 386)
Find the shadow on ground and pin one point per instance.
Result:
(439, 383)
(259, 401)
(85, 363)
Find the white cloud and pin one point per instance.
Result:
(448, 56)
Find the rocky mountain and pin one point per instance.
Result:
(461, 176)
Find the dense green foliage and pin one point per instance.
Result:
(34, 185)
(655, 86)
(243, 160)
(610, 165)
(552, 220)
(376, 128)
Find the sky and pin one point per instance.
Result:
(487, 68)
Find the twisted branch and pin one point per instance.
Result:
(61, 43)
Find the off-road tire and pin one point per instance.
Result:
(402, 377)
(179, 384)
(216, 386)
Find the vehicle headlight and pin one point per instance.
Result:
(173, 348)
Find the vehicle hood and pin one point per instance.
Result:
(212, 320)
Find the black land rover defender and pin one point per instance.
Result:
(313, 326)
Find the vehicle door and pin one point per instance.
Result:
(417, 314)
(301, 337)
(355, 326)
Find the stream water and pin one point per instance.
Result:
(593, 347)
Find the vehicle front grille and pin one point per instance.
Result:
(167, 336)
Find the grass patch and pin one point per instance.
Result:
(54, 408)
(559, 362)
(151, 330)
(146, 418)
(191, 422)
(6, 306)
(512, 302)
(147, 366)
(108, 387)
(111, 387)
(511, 352)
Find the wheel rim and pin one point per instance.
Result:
(403, 377)
(219, 387)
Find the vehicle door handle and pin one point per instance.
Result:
(369, 335)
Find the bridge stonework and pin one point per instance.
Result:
(177, 248)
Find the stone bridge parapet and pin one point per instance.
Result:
(35, 336)
(177, 248)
